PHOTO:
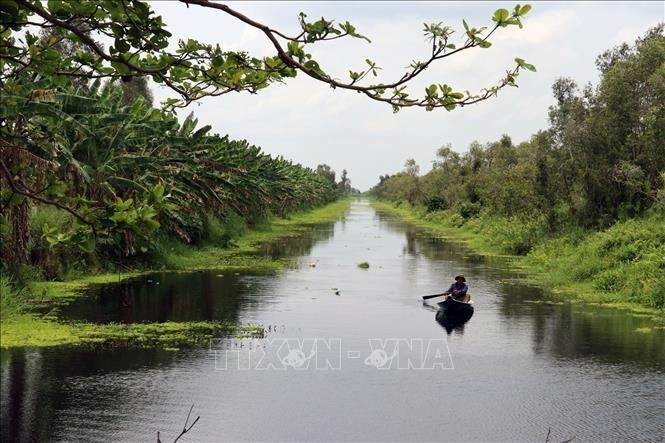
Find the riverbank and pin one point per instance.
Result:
(621, 267)
(22, 326)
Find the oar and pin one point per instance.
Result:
(427, 297)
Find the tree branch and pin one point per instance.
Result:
(369, 91)
(186, 429)
(26, 193)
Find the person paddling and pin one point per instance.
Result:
(458, 289)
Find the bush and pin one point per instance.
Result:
(626, 261)
(468, 210)
(54, 260)
(611, 280)
(436, 204)
(656, 297)
(220, 232)
(24, 275)
(585, 268)
(514, 235)
(11, 300)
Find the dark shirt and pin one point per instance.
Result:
(457, 290)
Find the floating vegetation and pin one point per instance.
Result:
(24, 327)
(363, 265)
(28, 330)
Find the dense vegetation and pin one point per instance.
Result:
(88, 174)
(94, 177)
(599, 167)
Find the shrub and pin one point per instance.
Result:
(436, 204)
(610, 280)
(54, 260)
(468, 210)
(220, 232)
(11, 301)
(515, 235)
(656, 298)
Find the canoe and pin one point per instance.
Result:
(452, 317)
(461, 308)
(453, 314)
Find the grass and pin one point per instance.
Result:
(442, 227)
(237, 255)
(21, 326)
(622, 267)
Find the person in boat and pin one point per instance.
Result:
(458, 289)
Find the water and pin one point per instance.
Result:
(519, 367)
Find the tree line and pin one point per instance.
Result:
(86, 172)
(88, 167)
(602, 158)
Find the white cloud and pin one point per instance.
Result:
(542, 26)
(308, 122)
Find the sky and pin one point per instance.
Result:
(308, 122)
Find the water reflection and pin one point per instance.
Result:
(559, 330)
(567, 332)
(33, 391)
(188, 296)
(524, 363)
(165, 297)
(301, 244)
(450, 323)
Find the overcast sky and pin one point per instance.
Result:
(306, 121)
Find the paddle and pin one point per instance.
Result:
(427, 297)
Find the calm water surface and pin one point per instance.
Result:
(518, 367)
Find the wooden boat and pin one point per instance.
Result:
(453, 307)
(453, 314)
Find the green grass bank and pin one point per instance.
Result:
(21, 326)
(622, 266)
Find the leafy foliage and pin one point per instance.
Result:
(601, 160)
(584, 198)
(141, 46)
(120, 173)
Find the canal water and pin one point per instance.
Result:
(349, 354)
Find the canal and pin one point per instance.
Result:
(349, 354)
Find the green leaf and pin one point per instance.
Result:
(151, 224)
(530, 67)
(524, 9)
(88, 245)
(120, 68)
(157, 192)
(59, 8)
(121, 45)
(500, 15)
